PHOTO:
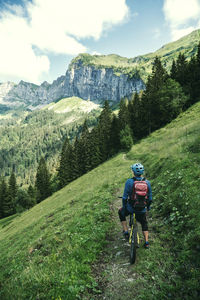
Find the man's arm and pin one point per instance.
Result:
(126, 193)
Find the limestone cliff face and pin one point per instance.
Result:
(89, 82)
(84, 81)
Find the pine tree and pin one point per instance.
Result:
(12, 189)
(158, 77)
(85, 149)
(181, 70)
(42, 183)
(74, 163)
(7, 204)
(2, 197)
(95, 155)
(70, 159)
(70, 162)
(136, 119)
(149, 111)
(123, 114)
(32, 194)
(115, 136)
(104, 129)
(78, 170)
(173, 71)
(64, 168)
(126, 140)
(171, 102)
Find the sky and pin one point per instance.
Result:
(39, 38)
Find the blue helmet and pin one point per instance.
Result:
(138, 169)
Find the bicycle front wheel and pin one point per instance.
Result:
(133, 246)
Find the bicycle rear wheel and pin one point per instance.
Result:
(133, 246)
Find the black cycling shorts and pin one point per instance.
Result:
(141, 218)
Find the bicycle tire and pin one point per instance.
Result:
(133, 246)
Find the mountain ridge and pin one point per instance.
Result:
(116, 60)
(97, 77)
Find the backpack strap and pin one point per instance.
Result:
(142, 179)
(133, 191)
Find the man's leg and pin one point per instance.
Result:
(124, 225)
(143, 221)
(122, 215)
(146, 235)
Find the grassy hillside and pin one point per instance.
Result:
(72, 105)
(143, 63)
(47, 252)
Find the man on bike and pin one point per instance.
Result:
(128, 203)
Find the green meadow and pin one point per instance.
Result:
(48, 252)
(74, 105)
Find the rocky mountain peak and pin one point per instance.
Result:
(82, 79)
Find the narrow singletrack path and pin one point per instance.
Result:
(124, 156)
(117, 275)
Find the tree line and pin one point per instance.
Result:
(165, 97)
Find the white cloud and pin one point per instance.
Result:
(179, 14)
(178, 33)
(17, 58)
(53, 26)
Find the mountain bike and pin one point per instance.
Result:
(134, 239)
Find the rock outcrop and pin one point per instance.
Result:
(84, 81)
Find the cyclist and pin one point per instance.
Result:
(127, 207)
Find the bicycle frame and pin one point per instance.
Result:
(133, 223)
(133, 237)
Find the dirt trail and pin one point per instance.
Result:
(124, 157)
(117, 281)
(114, 273)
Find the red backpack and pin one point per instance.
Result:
(140, 194)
